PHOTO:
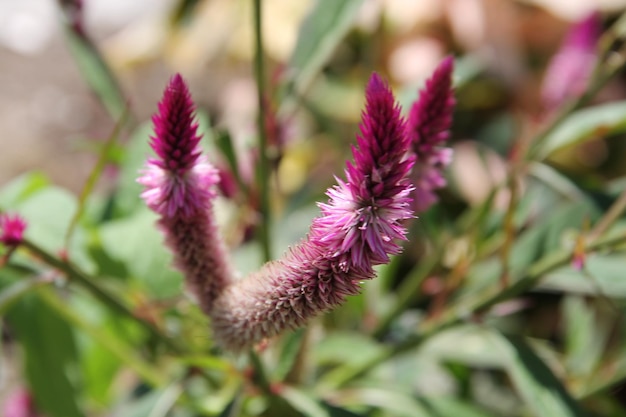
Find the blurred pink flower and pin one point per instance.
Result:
(12, 229)
(430, 118)
(19, 403)
(356, 230)
(570, 69)
(180, 186)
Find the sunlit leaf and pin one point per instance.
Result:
(50, 354)
(139, 245)
(586, 124)
(540, 389)
(320, 34)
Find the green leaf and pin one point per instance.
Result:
(289, 353)
(584, 125)
(136, 242)
(94, 176)
(341, 348)
(585, 336)
(540, 389)
(13, 293)
(603, 273)
(50, 356)
(49, 214)
(320, 34)
(303, 402)
(21, 188)
(137, 150)
(97, 73)
(310, 406)
(453, 407)
(394, 402)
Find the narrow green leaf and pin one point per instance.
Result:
(585, 336)
(113, 344)
(540, 389)
(290, 350)
(21, 188)
(94, 176)
(138, 244)
(604, 274)
(183, 12)
(304, 403)
(97, 73)
(225, 144)
(586, 124)
(320, 34)
(50, 355)
(392, 401)
(11, 294)
(453, 407)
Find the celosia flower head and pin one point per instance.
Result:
(179, 181)
(362, 219)
(430, 118)
(12, 229)
(355, 231)
(180, 186)
(571, 67)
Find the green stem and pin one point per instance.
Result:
(481, 303)
(123, 352)
(263, 173)
(99, 292)
(406, 293)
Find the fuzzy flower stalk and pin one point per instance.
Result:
(357, 229)
(179, 185)
(570, 70)
(428, 128)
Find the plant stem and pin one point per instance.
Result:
(123, 352)
(481, 303)
(263, 169)
(99, 292)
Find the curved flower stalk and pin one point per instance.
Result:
(570, 69)
(180, 186)
(357, 229)
(428, 127)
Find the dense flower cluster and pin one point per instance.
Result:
(428, 127)
(180, 186)
(357, 230)
(359, 226)
(12, 229)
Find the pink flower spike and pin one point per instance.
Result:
(430, 116)
(12, 229)
(180, 186)
(568, 73)
(357, 229)
(179, 181)
(428, 127)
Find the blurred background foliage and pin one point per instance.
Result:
(507, 301)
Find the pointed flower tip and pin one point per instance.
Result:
(12, 229)
(179, 180)
(585, 33)
(376, 84)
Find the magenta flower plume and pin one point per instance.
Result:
(357, 229)
(180, 186)
(428, 127)
(571, 67)
(12, 229)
